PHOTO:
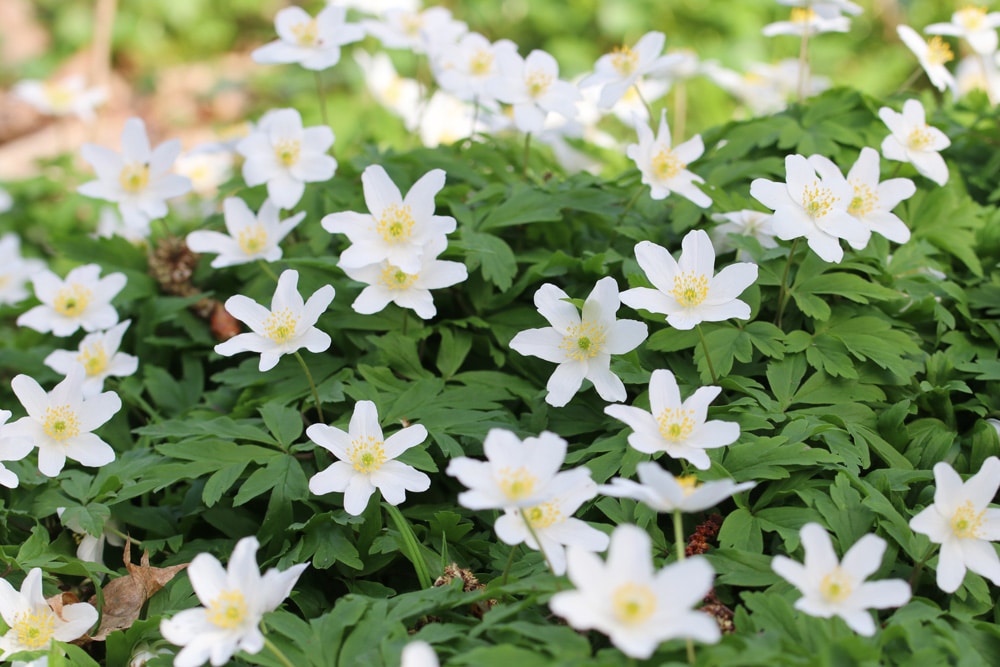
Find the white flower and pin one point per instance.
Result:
(674, 426)
(553, 522)
(398, 94)
(389, 284)
(288, 326)
(686, 291)
(975, 73)
(963, 523)
(313, 43)
(515, 474)
(396, 229)
(98, 354)
(873, 202)
(932, 56)
(913, 140)
(286, 156)
(974, 25)
(665, 493)
(60, 422)
(66, 96)
(208, 167)
(664, 169)
(813, 203)
(90, 548)
(619, 70)
(625, 599)
(251, 237)
(447, 119)
(234, 599)
(15, 270)
(82, 300)
(582, 346)
(827, 8)
(367, 460)
(631, 109)
(427, 31)
(838, 588)
(765, 88)
(533, 87)
(418, 654)
(110, 224)
(138, 179)
(805, 20)
(745, 222)
(33, 623)
(470, 69)
(12, 448)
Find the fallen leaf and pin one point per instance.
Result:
(125, 596)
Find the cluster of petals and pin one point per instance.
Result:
(366, 460)
(285, 156)
(582, 344)
(635, 606)
(832, 587)
(63, 97)
(416, 30)
(33, 624)
(973, 24)
(249, 237)
(12, 448)
(962, 522)
(81, 300)
(533, 88)
(285, 328)
(913, 140)
(624, 67)
(663, 492)
(664, 169)
(679, 428)
(807, 19)
(100, 357)
(139, 179)
(312, 42)
(687, 290)
(932, 56)
(15, 270)
(234, 601)
(394, 247)
(745, 222)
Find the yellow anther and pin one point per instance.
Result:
(61, 422)
(395, 224)
(690, 288)
(624, 60)
(253, 239)
(72, 300)
(676, 424)
(666, 164)
(817, 200)
(633, 603)
(966, 522)
(227, 611)
(280, 325)
(583, 341)
(366, 454)
(516, 484)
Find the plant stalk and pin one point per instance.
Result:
(708, 356)
(679, 545)
(312, 386)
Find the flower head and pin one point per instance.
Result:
(914, 141)
(932, 55)
(625, 66)
(665, 493)
(838, 588)
(398, 94)
(12, 448)
(60, 422)
(83, 299)
(973, 24)
(961, 521)
(98, 354)
(312, 42)
(686, 290)
(873, 201)
(532, 85)
(286, 156)
(470, 68)
(288, 326)
(418, 654)
(812, 203)
(745, 222)
(664, 169)
(235, 600)
(582, 346)
(15, 270)
(138, 179)
(90, 548)
(676, 427)
(625, 599)
(515, 474)
(251, 237)
(63, 97)
(421, 31)
(367, 460)
(33, 623)
(396, 229)
(807, 21)
(552, 520)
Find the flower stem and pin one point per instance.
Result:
(266, 268)
(534, 536)
(312, 386)
(527, 151)
(783, 294)
(911, 80)
(108, 528)
(680, 111)
(679, 545)
(645, 103)
(803, 64)
(708, 357)
(510, 563)
(631, 202)
(322, 98)
(282, 658)
(919, 567)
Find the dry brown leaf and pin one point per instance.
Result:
(125, 596)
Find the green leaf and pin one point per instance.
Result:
(499, 266)
(284, 423)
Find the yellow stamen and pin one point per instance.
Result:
(134, 177)
(971, 18)
(688, 483)
(864, 202)
(61, 423)
(481, 63)
(72, 300)
(396, 279)
(690, 288)
(966, 522)
(938, 51)
(583, 341)
(396, 223)
(516, 484)
(666, 164)
(34, 629)
(633, 603)
(836, 586)
(538, 82)
(366, 454)
(94, 358)
(544, 515)
(676, 424)
(253, 239)
(802, 15)
(624, 60)
(227, 611)
(280, 325)
(919, 138)
(287, 151)
(817, 200)
(306, 33)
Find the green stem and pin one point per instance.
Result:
(510, 563)
(322, 98)
(679, 540)
(645, 103)
(631, 202)
(411, 545)
(708, 357)
(527, 150)
(784, 293)
(282, 658)
(911, 80)
(534, 536)
(267, 269)
(919, 567)
(312, 386)
(108, 528)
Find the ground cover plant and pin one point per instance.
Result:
(568, 376)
